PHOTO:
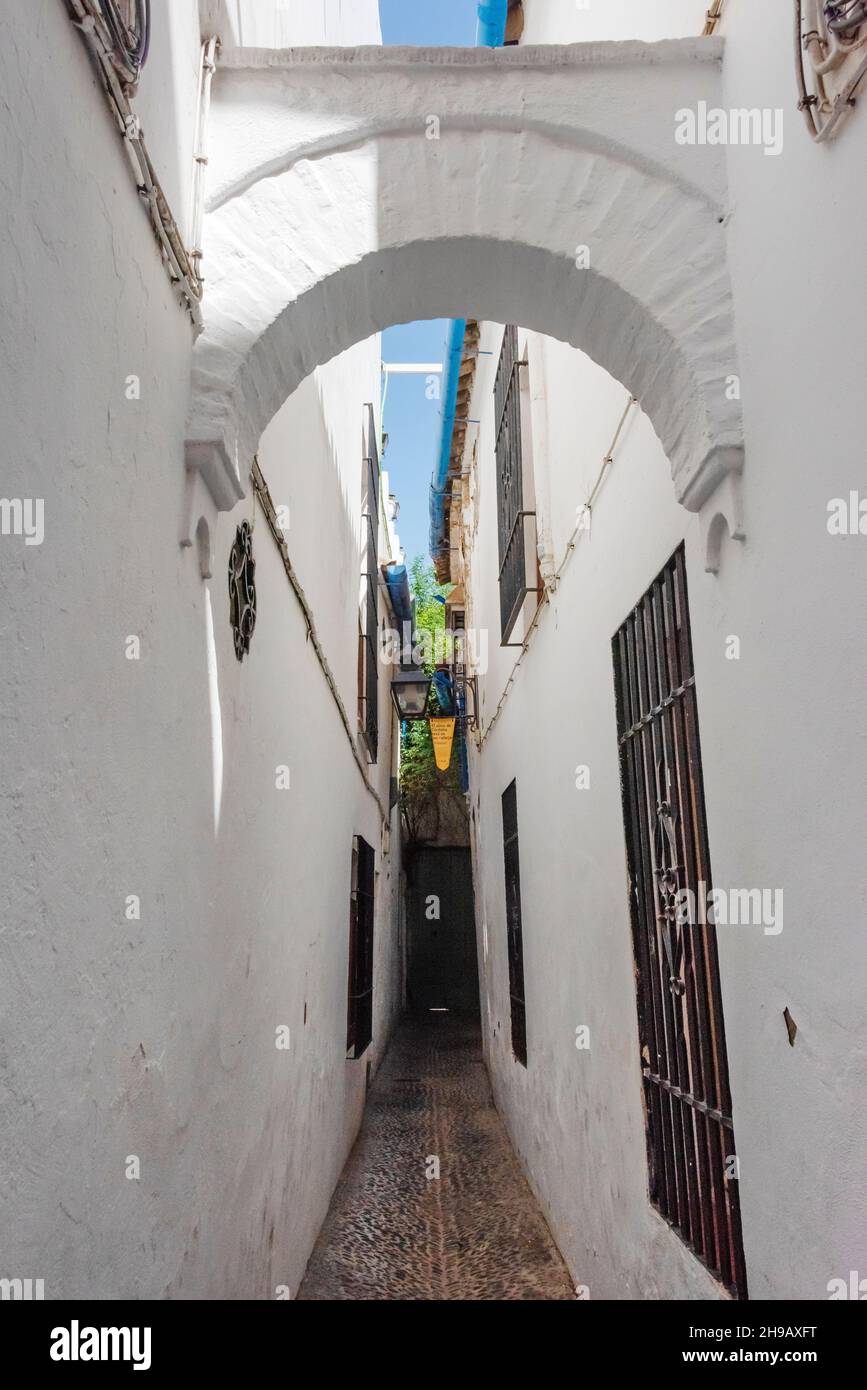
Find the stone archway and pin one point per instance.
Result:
(353, 189)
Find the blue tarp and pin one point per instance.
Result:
(398, 591)
(462, 745)
(444, 691)
(451, 376)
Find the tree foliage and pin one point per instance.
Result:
(422, 786)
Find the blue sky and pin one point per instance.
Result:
(412, 422)
(428, 21)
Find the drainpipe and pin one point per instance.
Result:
(200, 156)
(451, 378)
(491, 24)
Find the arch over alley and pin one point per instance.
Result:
(421, 188)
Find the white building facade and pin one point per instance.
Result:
(771, 590)
(194, 826)
(174, 993)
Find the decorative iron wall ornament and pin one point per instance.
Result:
(242, 589)
(831, 55)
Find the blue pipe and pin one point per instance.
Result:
(462, 744)
(490, 33)
(491, 25)
(451, 377)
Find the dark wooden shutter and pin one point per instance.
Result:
(359, 1024)
(517, 1003)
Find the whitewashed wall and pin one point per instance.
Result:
(292, 23)
(156, 1037)
(585, 21)
(782, 732)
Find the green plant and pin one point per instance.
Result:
(422, 786)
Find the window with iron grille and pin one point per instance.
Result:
(359, 1020)
(517, 1003)
(688, 1110)
(368, 673)
(512, 515)
(456, 648)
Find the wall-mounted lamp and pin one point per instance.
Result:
(409, 690)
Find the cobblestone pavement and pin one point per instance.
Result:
(476, 1232)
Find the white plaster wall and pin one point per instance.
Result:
(782, 739)
(292, 23)
(167, 102)
(583, 21)
(575, 1117)
(156, 1037)
(804, 760)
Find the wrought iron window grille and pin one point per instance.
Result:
(691, 1156)
(512, 515)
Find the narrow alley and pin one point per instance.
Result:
(433, 534)
(432, 1203)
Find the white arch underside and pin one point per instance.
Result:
(485, 222)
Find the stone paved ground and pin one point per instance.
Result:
(476, 1232)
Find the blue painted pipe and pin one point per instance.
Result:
(448, 409)
(490, 33)
(491, 25)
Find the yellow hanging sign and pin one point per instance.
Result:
(442, 731)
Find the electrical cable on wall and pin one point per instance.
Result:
(131, 40)
(712, 18)
(829, 36)
(120, 51)
(262, 495)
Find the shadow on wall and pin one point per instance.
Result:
(166, 103)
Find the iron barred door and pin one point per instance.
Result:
(359, 1020)
(690, 1136)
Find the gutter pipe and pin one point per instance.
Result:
(491, 23)
(490, 33)
(451, 376)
